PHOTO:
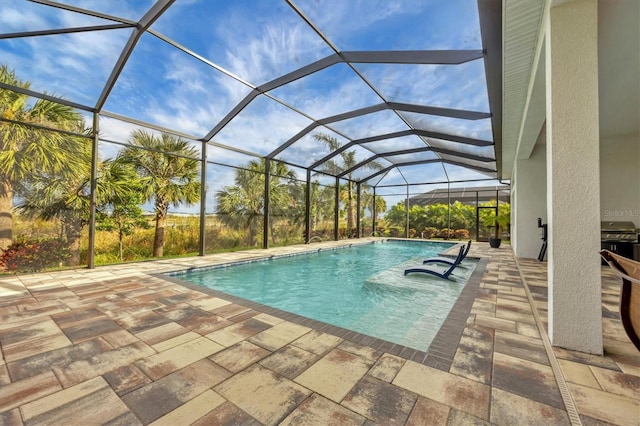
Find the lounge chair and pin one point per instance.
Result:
(438, 272)
(448, 260)
(629, 271)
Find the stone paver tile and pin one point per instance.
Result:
(497, 323)
(244, 316)
(387, 367)
(269, 319)
(90, 402)
(511, 409)
(161, 333)
(120, 338)
(279, 335)
(231, 310)
(289, 361)
(474, 356)
(515, 304)
(525, 378)
(618, 383)
(150, 295)
(624, 354)
(457, 392)
(380, 401)
(584, 358)
(193, 318)
(428, 412)
(192, 410)
(11, 418)
(159, 398)
(514, 291)
(79, 371)
(605, 406)
(126, 379)
(509, 314)
(138, 322)
(629, 369)
(335, 374)
(4, 374)
(457, 417)
(529, 330)
(76, 316)
(577, 373)
(226, 414)
(164, 363)
(519, 346)
(42, 362)
(263, 394)
(472, 365)
(317, 342)
(174, 297)
(30, 389)
(483, 307)
(362, 351)
(209, 303)
(235, 333)
(319, 410)
(613, 330)
(175, 341)
(240, 356)
(35, 346)
(90, 329)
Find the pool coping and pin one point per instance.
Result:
(439, 355)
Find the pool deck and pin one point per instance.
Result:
(123, 345)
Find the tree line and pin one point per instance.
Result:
(454, 216)
(46, 174)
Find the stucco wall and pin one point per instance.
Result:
(530, 203)
(573, 177)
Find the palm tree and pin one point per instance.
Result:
(333, 168)
(368, 203)
(26, 150)
(242, 205)
(120, 196)
(67, 197)
(169, 170)
(62, 197)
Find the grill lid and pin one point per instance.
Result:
(617, 226)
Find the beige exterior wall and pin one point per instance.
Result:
(530, 202)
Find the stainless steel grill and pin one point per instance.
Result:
(618, 232)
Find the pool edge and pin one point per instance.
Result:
(440, 353)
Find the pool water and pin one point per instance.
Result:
(360, 288)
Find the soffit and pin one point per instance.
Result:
(522, 21)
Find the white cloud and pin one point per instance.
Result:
(13, 19)
(349, 17)
(190, 97)
(265, 52)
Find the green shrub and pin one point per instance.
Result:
(429, 232)
(33, 255)
(396, 231)
(446, 233)
(462, 234)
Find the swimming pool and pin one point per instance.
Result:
(360, 288)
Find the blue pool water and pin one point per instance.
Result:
(361, 288)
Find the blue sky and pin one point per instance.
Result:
(257, 41)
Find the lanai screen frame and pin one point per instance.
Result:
(490, 14)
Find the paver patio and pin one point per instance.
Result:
(121, 345)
